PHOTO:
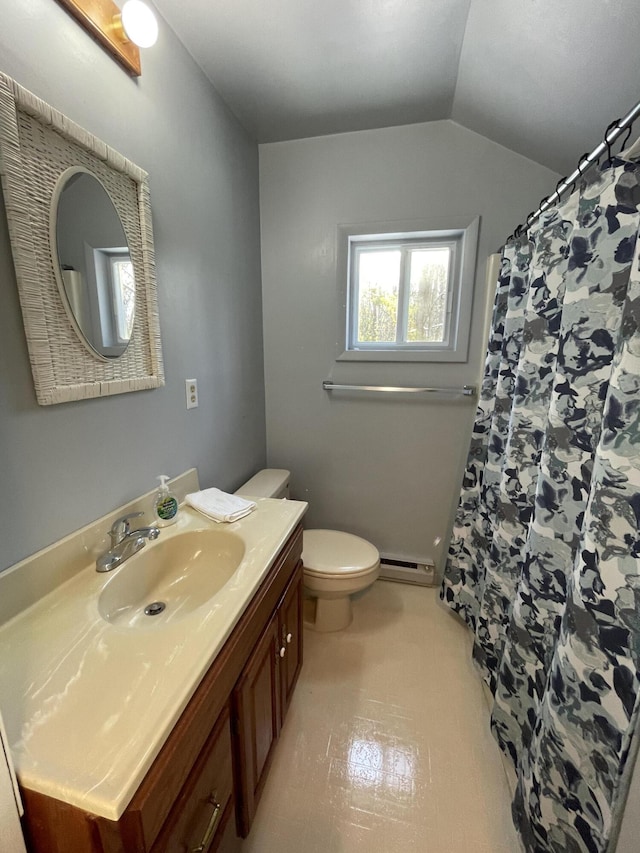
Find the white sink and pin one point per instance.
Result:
(170, 578)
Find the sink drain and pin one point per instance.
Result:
(154, 608)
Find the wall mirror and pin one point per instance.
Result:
(79, 221)
(92, 263)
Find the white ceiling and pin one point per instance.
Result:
(543, 77)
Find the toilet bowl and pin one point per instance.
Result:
(335, 564)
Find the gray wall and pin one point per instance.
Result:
(387, 469)
(63, 466)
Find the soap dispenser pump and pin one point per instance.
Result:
(165, 504)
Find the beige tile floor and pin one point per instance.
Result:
(386, 746)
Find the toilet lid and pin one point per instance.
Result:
(331, 552)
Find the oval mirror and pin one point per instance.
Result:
(94, 268)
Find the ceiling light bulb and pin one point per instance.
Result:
(139, 23)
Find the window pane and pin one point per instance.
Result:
(125, 297)
(428, 293)
(378, 283)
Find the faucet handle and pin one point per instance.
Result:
(121, 527)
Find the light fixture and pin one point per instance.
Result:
(139, 23)
(120, 32)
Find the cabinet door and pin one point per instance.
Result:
(256, 703)
(290, 627)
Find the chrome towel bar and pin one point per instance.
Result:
(466, 390)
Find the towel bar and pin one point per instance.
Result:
(466, 390)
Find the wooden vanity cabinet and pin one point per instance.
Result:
(261, 699)
(192, 796)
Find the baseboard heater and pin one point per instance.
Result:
(417, 572)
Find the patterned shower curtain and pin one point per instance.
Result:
(544, 562)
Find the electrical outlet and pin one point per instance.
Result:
(192, 393)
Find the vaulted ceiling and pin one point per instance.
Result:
(542, 77)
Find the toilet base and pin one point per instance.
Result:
(328, 614)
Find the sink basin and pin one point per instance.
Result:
(171, 578)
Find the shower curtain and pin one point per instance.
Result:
(543, 564)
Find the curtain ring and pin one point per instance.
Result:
(626, 139)
(582, 160)
(579, 170)
(606, 141)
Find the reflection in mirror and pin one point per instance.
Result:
(95, 272)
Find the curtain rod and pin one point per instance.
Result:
(612, 133)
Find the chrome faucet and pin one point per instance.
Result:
(125, 542)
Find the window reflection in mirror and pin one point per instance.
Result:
(95, 272)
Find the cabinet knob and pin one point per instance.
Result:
(283, 652)
(289, 637)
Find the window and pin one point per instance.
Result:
(124, 295)
(408, 294)
(116, 291)
(402, 294)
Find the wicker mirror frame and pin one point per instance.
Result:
(37, 144)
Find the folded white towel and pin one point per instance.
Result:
(220, 506)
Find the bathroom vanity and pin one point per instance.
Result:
(156, 736)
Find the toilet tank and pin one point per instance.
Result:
(268, 483)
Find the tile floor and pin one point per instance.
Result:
(386, 746)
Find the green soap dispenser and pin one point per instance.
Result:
(165, 504)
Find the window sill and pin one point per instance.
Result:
(443, 355)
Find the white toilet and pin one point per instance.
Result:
(336, 564)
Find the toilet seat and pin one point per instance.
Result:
(334, 554)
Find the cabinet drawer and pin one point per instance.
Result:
(200, 811)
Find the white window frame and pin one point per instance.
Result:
(360, 246)
(461, 234)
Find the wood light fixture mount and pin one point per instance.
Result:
(104, 21)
